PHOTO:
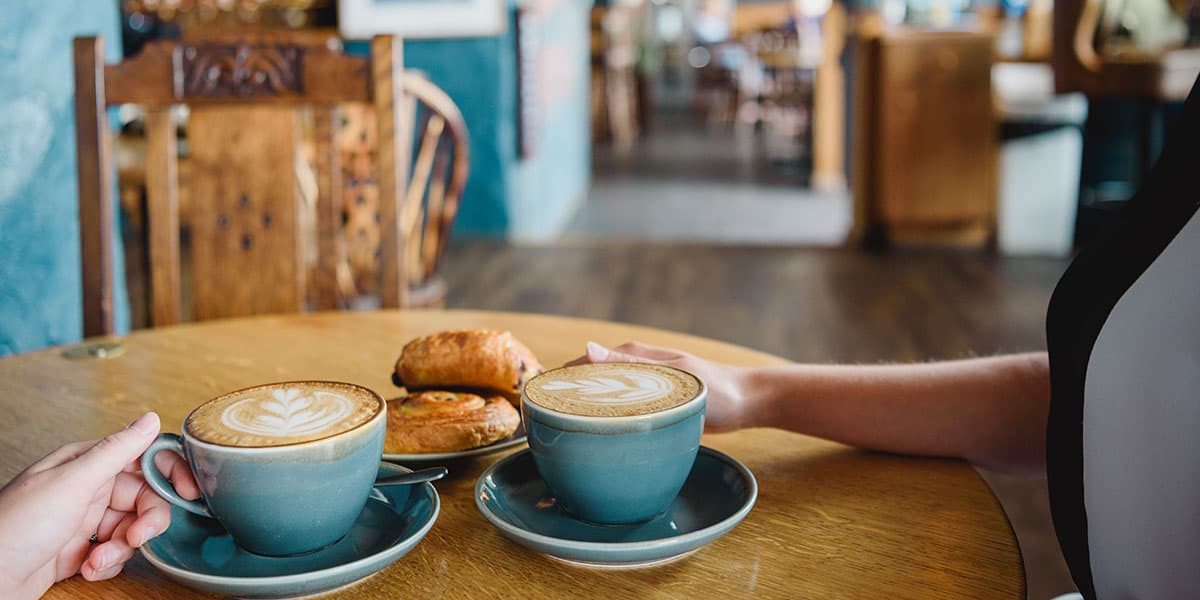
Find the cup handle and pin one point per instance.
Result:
(159, 483)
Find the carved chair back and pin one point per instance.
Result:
(248, 218)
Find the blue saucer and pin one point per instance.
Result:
(198, 553)
(718, 494)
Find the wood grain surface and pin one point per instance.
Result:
(247, 239)
(305, 67)
(928, 145)
(162, 214)
(831, 522)
(393, 122)
(93, 153)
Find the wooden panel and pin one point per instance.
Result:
(829, 104)
(756, 16)
(162, 208)
(94, 166)
(937, 135)
(237, 69)
(145, 78)
(331, 246)
(866, 101)
(392, 159)
(246, 243)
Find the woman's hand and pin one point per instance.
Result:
(83, 509)
(727, 406)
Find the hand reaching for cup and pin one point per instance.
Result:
(726, 383)
(83, 509)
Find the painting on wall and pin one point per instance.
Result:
(361, 19)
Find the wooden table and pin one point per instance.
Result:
(831, 522)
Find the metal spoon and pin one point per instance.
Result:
(430, 474)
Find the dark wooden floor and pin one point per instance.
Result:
(804, 304)
(807, 305)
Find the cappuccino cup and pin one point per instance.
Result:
(614, 442)
(286, 468)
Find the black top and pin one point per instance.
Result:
(1118, 455)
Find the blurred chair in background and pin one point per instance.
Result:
(720, 85)
(614, 43)
(269, 225)
(780, 71)
(1100, 52)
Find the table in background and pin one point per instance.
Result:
(830, 521)
(926, 149)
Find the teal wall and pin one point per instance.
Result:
(545, 189)
(478, 75)
(40, 289)
(506, 195)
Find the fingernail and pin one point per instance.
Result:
(141, 538)
(99, 560)
(146, 424)
(596, 352)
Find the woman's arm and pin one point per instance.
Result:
(990, 411)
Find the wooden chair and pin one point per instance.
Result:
(1079, 66)
(248, 252)
(429, 221)
(614, 81)
(1153, 79)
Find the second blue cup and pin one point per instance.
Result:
(614, 442)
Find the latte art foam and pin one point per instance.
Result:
(282, 414)
(289, 412)
(612, 389)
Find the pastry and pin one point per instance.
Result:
(469, 358)
(441, 421)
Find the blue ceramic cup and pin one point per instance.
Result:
(614, 442)
(279, 496)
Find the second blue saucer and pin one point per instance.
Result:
(718, 494)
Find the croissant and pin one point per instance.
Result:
(441, 421)
(469, 358)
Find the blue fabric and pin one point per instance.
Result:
(40, 285)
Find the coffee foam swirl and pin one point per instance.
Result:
(282, 414)
(636, 387)
(613, 389)
(288, 412)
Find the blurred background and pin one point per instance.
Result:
(826, 180)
